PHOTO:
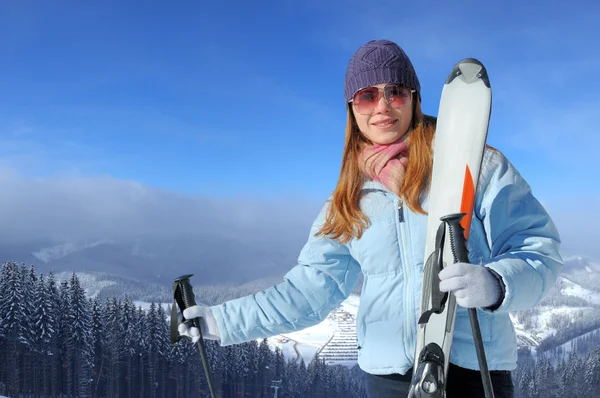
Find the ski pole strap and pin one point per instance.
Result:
(433, 267)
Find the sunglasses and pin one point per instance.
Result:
(397, 96)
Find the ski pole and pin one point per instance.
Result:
(184, 298)
(458, 244)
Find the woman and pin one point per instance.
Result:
(375, 223)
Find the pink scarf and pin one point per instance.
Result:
(385, 163)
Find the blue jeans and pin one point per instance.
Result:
(461, 383)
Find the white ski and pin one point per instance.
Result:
(460, 138)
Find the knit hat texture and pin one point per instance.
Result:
(379, 61)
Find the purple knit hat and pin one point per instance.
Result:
(379, 61)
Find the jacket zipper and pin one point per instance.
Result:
(400, 211)
(408, 296)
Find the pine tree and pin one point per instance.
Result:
(526, 378)
(243, 359)
(143, 347)
(163, 349)
(131, 330)
(229, 374)
(28, 355)
(44, 329)
(63, 333)
(317, 377)
(80, 341)
(278, 364)
(184, 380)
(291, 383)
(12, 323)
(265, 358)
(113, 349)
(99, 344)
(153, 354)
(216, 359)
(303, 379)
(592, 373)
(572, 378)
(84, 348)
(337, 381)
(252, 373)
(54, 353)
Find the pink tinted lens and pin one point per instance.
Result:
(397, 96)
(366, 99)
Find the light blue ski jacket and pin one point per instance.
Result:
(510, 233)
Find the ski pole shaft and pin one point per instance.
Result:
(184, 296)
(458, 243)
(203, 356)
(485, 373)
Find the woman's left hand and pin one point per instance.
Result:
(473, 285)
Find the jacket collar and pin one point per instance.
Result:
(374, 185)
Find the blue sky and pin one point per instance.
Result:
(230, 99)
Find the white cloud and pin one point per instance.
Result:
(70, 207)
(101, 207)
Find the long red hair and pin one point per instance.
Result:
(345, 219)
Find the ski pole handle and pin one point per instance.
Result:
(458, 243)
(184, 296)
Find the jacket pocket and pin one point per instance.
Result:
(382, 346)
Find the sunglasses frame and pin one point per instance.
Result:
(380, 90)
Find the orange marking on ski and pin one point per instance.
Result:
(468, 201)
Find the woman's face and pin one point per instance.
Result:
(384, 123)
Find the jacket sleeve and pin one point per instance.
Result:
(324, 276)
(523, 240)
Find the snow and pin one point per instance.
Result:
(307, 343)
(48, 254)
(541, 323)
(92, 284)
(573, 289)
(525, 338)
(303, 344)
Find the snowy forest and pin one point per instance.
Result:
(56, 342)
(552, 375)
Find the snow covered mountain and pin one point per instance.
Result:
(571, 309)
(219, 259)
(583, 271)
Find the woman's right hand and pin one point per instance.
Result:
(208, 324)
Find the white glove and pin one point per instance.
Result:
(474, 286)
(208, 324)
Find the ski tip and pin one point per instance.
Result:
(183, 277)
(470, 70)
